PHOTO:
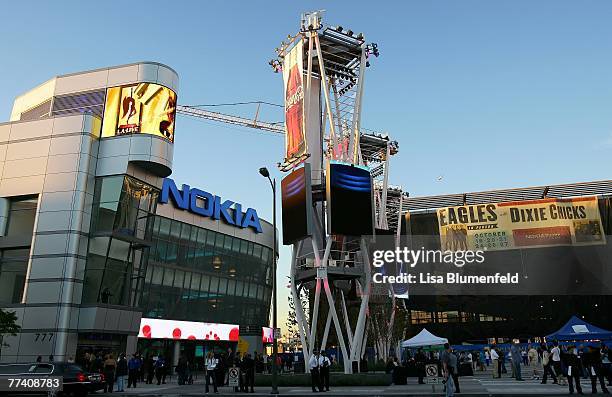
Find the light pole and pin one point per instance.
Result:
(266, 174)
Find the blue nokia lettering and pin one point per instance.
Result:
(205, 204)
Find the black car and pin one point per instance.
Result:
(76, 381)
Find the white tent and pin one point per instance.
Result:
(424, 338)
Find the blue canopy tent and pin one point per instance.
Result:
(578, 329)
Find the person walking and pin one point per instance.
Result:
(503, 355)
(181, 370)
(110, 365)
(495, 362)
(419, 359)
(121, 373)
(555, 354)
(160, 369)
(573, 369)
(249, 380)
(487, 357)
(594, 367)
(481, 360)
(547, 366)
(220, 370)
(532, 354)
(241, 372)
(454, 368)
(517, 358)
(133, 370)
(446, 361)
(149, 368)
(315, 378)
(211, 364)
(324, 365)
(606, 361)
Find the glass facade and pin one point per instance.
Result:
(14, 260)
(195, 274)
(122, 220)
(170, 269)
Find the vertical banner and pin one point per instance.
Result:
(521, 224)
(293, 78)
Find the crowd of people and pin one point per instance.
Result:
(565, 364)
(122, 372)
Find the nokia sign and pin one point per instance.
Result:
(205, 204)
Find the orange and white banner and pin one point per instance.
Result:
(521, 224)
(293, 78)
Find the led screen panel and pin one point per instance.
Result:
(143, 108)
(350, 209)
(155, 328)
(296, 194)
(267, 335)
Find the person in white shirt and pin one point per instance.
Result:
(324, 365)
(495, 362)
(315, 376)
(211, 364)
(555, 355)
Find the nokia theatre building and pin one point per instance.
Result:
(100, 251)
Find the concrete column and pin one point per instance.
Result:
(131, 345)
(4, 211)
(176, 353)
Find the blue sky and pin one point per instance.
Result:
(488, 94)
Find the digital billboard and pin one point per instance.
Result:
(350, 209)
(143, 108)
(155, 328)
(521, 224)
(267, 335)
(296, 195)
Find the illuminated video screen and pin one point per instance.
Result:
(350, 209)
(143, 108)
(296, 194)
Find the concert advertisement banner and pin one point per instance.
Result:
(521, 224)
(143, 108)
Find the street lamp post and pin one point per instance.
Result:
(266, 174)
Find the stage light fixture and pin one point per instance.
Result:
(339, 28)
(360, 36)
(350, 32)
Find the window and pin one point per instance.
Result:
(22, 212)
(420, 317)
(124, 205)
(13, 267)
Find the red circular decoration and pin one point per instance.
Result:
(191, 337)
(234, 335)
(176, 333)
(146, 331)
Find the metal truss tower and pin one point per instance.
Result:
(335, 269)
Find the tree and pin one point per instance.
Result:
(8, 326)
(385, 326)
(293, 328)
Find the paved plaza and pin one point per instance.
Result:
(480, 384)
